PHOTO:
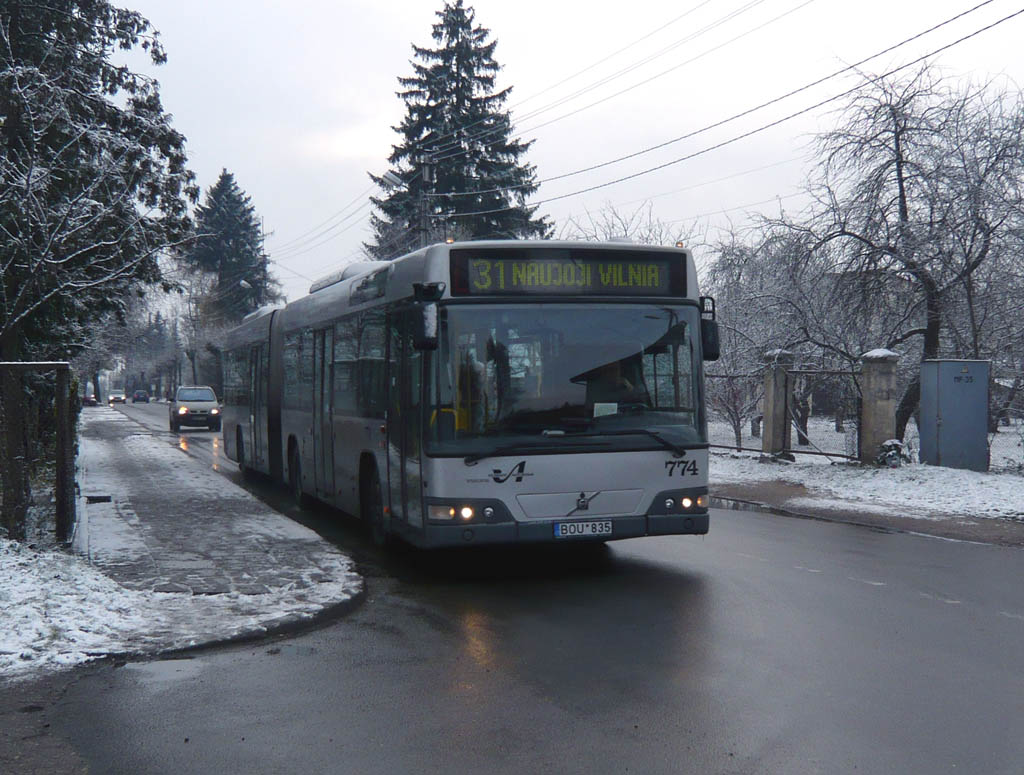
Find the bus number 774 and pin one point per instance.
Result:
(685, 467)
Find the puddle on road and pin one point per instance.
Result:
(161, 674)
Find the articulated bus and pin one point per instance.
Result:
(486, 392)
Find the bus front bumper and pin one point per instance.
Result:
(543, 531)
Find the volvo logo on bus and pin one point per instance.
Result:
(518, 471)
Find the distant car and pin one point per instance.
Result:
(194, 405)
(90, 400)
(116, 397)
(140, 397)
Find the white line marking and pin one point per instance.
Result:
(865, 581)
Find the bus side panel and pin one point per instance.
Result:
(351, 438)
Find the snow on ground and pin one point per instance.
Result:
(58, 611)
(923, 491)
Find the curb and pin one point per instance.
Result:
(293, 626)
(984, 537)
(738, 504)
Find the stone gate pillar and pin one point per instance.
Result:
(878, 404)
(776, 433)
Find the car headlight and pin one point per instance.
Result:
(183, 410)
(215, 410)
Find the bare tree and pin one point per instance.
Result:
(639, 225)
(916, 190)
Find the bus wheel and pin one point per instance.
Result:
(240, 449)
(373, 508)
(295, 479)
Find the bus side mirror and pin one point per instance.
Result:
(709, 339)
(424, 335)
(708, 329)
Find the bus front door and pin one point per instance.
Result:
(405, 368)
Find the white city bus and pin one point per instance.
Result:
(486, 392)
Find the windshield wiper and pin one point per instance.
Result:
(509, 449)
(678, 449)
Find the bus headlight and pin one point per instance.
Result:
(676, 502)
(467, 511)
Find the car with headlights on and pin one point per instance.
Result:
(116, 397)
(194, 405)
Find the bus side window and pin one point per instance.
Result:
(372, 389)
(346, 351)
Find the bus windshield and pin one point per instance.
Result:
(551, 376)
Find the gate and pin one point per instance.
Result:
(823, 408)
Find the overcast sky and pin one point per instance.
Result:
(297, 98)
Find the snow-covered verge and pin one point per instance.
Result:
(922, 491)
(913, 489)
(58, 611)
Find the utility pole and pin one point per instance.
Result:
(425, 190)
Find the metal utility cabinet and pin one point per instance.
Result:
(954, 414)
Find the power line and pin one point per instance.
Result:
(732, 140)
(585, 69)
(742, 114)
(444, 149)
(301, 237)
(653, 77)
(325, 237)
(614, 54)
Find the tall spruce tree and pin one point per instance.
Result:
(230, 245)
(458, 163)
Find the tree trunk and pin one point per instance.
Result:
(16, 492)
(908, 405)
(802, 407)
(912, 395)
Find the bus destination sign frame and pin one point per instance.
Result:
(566, 272)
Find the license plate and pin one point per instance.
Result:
(581, 529)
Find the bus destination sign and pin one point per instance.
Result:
(563, 272)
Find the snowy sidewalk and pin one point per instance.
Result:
(177, 557)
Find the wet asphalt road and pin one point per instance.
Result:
(772, 645)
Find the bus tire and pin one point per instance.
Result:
(240, 452)
(295, 479)
(372, 506)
